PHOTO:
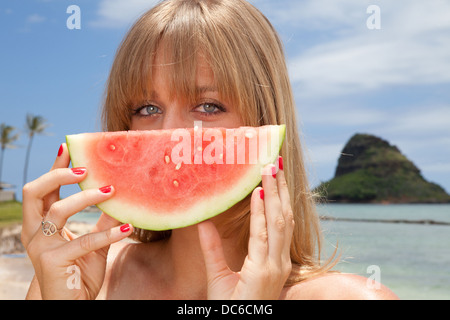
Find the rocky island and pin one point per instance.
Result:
(371, 170)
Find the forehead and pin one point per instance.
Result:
(184, 78)
(165, 64)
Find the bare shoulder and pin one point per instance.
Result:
(338, 286)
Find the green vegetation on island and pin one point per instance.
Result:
(370, 170)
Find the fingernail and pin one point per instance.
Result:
(274, 172)
(261, 194)
(105, 189)
(280, 163)
(125, 228)
(78, 171)
(60, 151)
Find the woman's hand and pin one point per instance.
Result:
(268, 264)
(66, 267)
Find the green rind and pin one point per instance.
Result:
(144, 219)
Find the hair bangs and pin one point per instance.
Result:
(188, 39)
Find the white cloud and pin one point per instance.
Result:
(325, 153)
(36, 18)
(338, 114)
(312, 14)
(411, 48)
(120, 13)
(429, 120)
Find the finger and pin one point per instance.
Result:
(61, 210)
(32, 209)
(258, 241)
(94, 241)
(286, 205)
(35, 191)
(62, 161)
(274, 215)
(52, 181)
(105, 222)
(211, 245)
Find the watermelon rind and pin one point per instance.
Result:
(146, 218)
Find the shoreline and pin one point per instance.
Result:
(422, 221)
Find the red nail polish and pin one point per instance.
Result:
(60, 151)
(125, 228)
(261, 194)
(280, 163)
(274, 172)
(106, 189)
(79, 171)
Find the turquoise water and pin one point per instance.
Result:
(413, 259)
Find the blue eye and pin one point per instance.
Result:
(209, 108)
(149, 110)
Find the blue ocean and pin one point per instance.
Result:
(410, 254)
(412, 257)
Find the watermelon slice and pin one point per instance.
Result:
(168, 179)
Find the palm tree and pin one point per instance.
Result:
(6, 141)
(34, 125)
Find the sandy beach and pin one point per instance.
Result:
(16, 273)
(16, 270)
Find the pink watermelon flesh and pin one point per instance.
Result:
(167, 179)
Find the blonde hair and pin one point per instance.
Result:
(247, 60)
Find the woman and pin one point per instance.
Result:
(222, 63)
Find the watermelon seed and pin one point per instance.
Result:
(178, 166)
(249, 134)
(176, 183)
(167, 159)
(112, 147)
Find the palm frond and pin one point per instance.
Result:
(36, 124)
(7, 139)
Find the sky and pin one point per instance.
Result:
(380, 67)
